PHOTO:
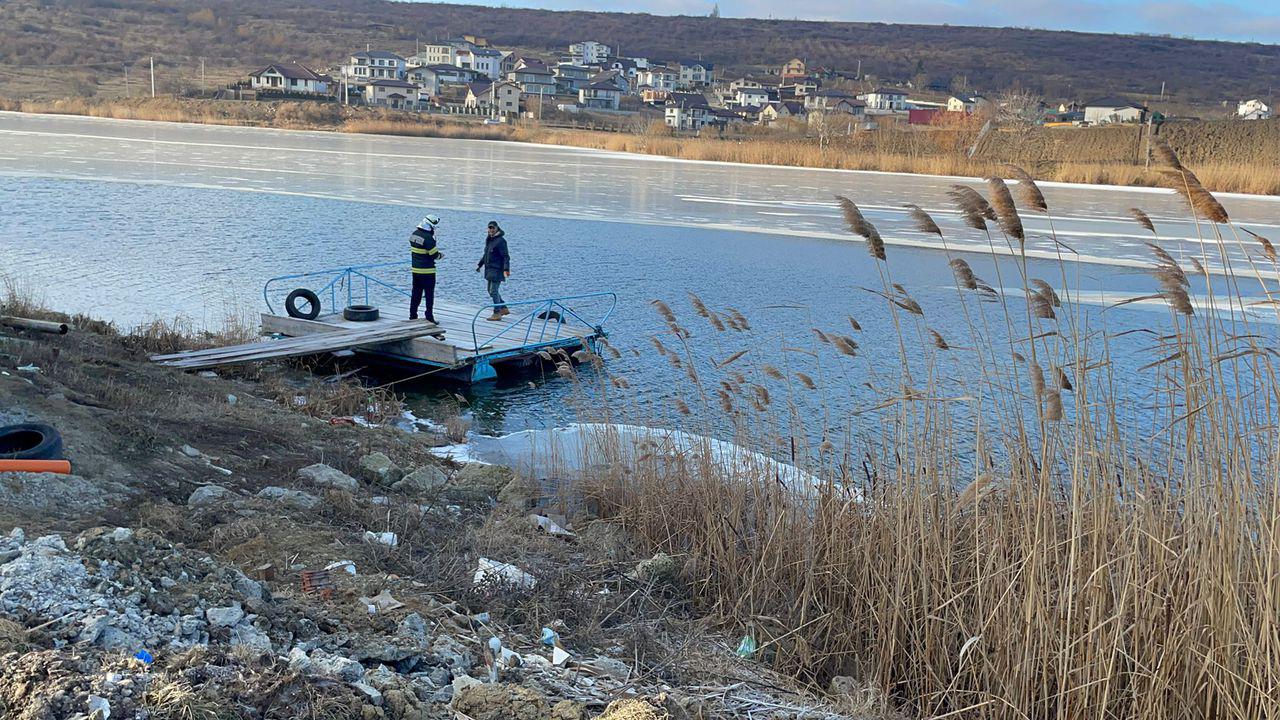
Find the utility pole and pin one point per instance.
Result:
(202, 76)
(859, 69)
(126, 80)
(153, 75)
(1161, 91)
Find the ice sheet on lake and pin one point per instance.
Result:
(580, 447)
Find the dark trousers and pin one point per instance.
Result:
(495, 287)
(424, 287)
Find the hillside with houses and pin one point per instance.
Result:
(469, 75)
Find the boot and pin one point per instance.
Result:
(497, 315)
(505, 311)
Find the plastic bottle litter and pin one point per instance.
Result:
(747, 647)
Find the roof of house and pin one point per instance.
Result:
(887, 91)
(795, 108)
(396, 96)
(377, 54)
(1115, 102)
(754, 90)
(291, 70)
(389, 82)
(835, 94)
(700, 63)
(604, 86)
(479, 88)
(969, 98)
(691, 100)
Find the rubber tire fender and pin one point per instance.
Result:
(291, 304)
(30, 441)
(360, 313)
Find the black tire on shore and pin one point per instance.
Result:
(313, 302)
(30, 441)
(360, 313)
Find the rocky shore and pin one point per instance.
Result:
(216, 553)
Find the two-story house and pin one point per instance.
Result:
(570, 78)
(884, 99)
(793, 68)
(483, 60)
(432, 78)
(600, 96)
(687, 111)
(499, 98)
(392, 93)
(967, 103)
(289, 77)
(589, 52)
(751, 97)
(614, 77)
(659, 77)
(534, 80)
(374, 65)
(696, 73)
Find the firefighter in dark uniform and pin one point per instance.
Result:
(424, 253)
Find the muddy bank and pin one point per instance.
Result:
(224, 551)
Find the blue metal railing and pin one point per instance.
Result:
(548, 316)
(341, 277)
(543, 320)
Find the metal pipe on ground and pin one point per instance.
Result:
(43, 326)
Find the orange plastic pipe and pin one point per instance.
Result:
(61, 467)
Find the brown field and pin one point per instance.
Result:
(1230, 156)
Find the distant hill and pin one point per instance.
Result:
(238, 34)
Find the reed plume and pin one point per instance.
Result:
(859, 225)
(1267, 248)
(938, 341)
(774, 372)
(1142, 219)
(822, 337)
(963, 274)
(1006, 211)
(698, 306)
(1028, 190)
(923, 221)
(806, 381)
(732, 358)
(974, 209)
(664, 310)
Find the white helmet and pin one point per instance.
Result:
(429, 222)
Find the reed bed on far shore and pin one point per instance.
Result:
(1246, 163)
(1022, 545)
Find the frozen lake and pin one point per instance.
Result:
(135, 220)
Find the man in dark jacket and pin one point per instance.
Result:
(496, 262)
(424, 253)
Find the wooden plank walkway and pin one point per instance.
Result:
(330, 339)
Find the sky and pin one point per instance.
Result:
(1248, 20)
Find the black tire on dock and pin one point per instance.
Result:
(360, 313)
(313, 301)
(30, 441)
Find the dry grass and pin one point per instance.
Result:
(1067, 557)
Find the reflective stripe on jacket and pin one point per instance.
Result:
(423, 251)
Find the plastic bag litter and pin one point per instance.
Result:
(747, 647)
(389, 539)
(493, 572)
(550, 526)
